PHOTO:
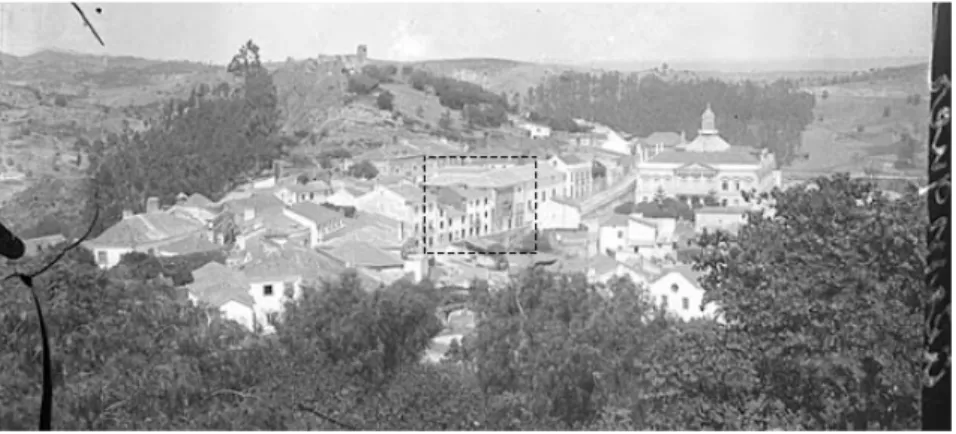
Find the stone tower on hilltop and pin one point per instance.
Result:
(361, 54)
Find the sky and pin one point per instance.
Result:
(545, 32)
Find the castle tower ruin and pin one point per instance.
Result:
(361, 54)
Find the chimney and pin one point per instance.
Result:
(683, 137)
(127, 213)
(249, 214)
(277, 170)
(181, 198)
(152, 205)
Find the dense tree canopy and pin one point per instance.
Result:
(207, 144)
(820, 304)
(767, 116)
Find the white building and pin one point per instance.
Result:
(678, 291)
(559, 213)
(719, 218)
(536, 131)
(628, 235)
(708, 165)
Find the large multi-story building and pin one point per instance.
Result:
(578, 177)
(479, 201)
(706, 166)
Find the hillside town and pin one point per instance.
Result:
(488, 240)
(441, 214)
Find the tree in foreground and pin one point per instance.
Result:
(826, 297)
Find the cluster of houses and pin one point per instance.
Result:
(293, 230)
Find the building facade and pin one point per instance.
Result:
(707, 166)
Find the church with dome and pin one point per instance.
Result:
(708, 165)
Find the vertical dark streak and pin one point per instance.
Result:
(937, 388)
(46, 403)
(424, 206)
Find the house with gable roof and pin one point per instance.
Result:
(154, 232)
(677, 289)
(320, 220)
(626, 235)
(226, 290)
(559, 213)
(578, 179)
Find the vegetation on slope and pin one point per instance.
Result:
(208, 145)
(822, 307)
(764, 116)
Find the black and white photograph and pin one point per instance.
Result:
(470, 216)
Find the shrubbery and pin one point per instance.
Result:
(384, 100)
(362, 84)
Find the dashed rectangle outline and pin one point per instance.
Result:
(425, 159)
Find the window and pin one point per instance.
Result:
(620, 234)
(675, 288)
(462, 219)
(685, 303)
(544, 195)
(102, 257)
(267, 290)
(737, 185)
(664, 301)
(723, 185)
(723, 202)
(272, 318)
(486, 201)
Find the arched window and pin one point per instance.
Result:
(675, 288)
(723, 185)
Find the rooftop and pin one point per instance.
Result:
(363, 254)
(197, 200)
(291, 263)
(315, 212)
(145, 229)
(734, 155)
(259, 201)
(666, 139)
(217, 284)
(193, 244)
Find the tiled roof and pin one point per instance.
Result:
(315, 212)
(290, 263)
(312, 187)
(193, 244)
(571, 159)
(615, 220)
(494, 178)
(644, 221)
(412, 194)
(667, 139)
(684, 270)
(217, 284)
(145, 228)
(261, 202)
(368, 227)
(217, 294)
(731, 156)
(363, 254)
(197, 200)
(198, 214)
(280, 224)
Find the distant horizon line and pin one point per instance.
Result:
(910, 60)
